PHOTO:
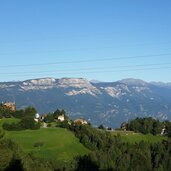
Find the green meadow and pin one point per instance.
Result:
(53, 143)
(132, 137)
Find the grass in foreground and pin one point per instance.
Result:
(49, 143)
(55, 143)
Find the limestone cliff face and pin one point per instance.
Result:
(107, 103)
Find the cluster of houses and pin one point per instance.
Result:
(38, 117)
(60, 118)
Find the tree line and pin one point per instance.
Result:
(149, 125)
(26, 117)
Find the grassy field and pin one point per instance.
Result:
(132, 137)
(57, 143)
(60, 143)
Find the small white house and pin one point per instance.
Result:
(61, 118)
(36, 118)
(164, 131)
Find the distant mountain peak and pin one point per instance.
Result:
(161, 84)
(95, 81)
(74, 82)
(40, 81)
(133, 81)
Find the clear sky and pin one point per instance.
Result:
(105, 40)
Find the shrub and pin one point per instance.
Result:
(38, 144)
(49, 125)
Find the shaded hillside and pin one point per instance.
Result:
(98, 102)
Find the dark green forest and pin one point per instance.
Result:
(149, 125)
(110, 153)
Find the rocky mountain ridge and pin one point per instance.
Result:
(108, 103)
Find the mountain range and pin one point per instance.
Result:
(107, 103)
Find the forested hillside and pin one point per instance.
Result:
(72, 146)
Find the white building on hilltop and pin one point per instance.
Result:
(61, 117)
(36, 118)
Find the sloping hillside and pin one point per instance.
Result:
(50, 143)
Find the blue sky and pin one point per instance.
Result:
(105, 40)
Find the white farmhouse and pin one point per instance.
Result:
(36, 118)
(164, 131)
(61, 117)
